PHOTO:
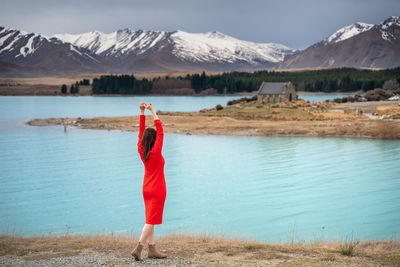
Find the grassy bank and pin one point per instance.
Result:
(207, 250)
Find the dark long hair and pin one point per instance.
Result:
(148, 139)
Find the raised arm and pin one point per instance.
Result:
(142, 126)
(159, 129)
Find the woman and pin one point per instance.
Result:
(154, 190)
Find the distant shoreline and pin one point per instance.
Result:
(51, 86)
(52, 90)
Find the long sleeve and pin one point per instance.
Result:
(142, 127)
(159, 136)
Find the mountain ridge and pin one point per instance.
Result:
(126, 50)
(376, 47)
(194, 47)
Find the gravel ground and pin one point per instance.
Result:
(93, 258)
(90, 258)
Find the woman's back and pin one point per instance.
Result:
(154, 181)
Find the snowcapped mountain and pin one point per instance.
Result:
(21, 43)
(126, 51)
(191, 47)
(356, 45)
(389, 29)
(117, 43)
(346, 33)
(41, 54)
(215, 46)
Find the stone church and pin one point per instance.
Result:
(276, 92)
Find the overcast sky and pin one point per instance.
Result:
(295, 23)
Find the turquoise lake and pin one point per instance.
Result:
(274, 189)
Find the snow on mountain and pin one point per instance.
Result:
(385, 28)
(193, 47)
(21, 43)
(35, 54)
(357, 45)
(126, 51)
(27, 42)
(347, 32)
(118, 42)
(215, 46)
(113, 44)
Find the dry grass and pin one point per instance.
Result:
(223, 125)
(347, 247)
(391, 110)
(208, 250)
(387, 129)
(252, 119)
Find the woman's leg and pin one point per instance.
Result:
(147, 233)
(150, 241)
(153, 251)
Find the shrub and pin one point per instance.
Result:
(347, 248)
(391, 84)
(377, 94)
(219, 107)
(243, 99)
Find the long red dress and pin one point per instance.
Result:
(154, 188)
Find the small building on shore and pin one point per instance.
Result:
(276, 92)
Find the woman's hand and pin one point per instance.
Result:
(149, 106)
(142, 106)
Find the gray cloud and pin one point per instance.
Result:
(296, 24)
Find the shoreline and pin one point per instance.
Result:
(193, 250)
(299, 118)
(189, 124)
(325, 93)
(51, 90)
(55, 91)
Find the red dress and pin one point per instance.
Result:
(154, 188)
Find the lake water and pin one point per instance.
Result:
(264, 188)
(90, 106)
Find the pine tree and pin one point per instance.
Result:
(76, 88)
(64, 89)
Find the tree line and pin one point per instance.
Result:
(74, 89)
(326, 80)
(120, 84)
